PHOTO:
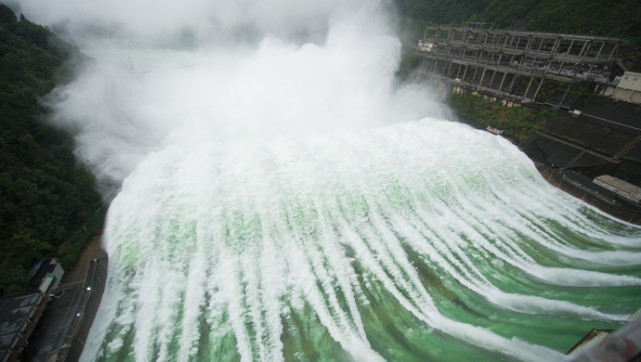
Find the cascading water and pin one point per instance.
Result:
(402, 242)
(386, 244)
(285, 201)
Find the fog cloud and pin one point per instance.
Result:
(308, 68)
(203, 19)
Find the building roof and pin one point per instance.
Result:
(15, 314)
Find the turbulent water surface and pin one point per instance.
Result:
(424, 240)
(386, 244)
(281, 197)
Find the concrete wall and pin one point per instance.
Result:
(88, 303)
(627, 95)
(628, 89)
(584, 189)
(96, 280)
(631, 81)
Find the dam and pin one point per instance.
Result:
(281, 197)
(580, 137)
(491, 60)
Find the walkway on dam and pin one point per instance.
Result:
(64, 326)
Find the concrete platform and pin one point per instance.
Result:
(50, 335)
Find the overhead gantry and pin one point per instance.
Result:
(492, 60)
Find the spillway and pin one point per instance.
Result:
(280, 196)
(424, 240)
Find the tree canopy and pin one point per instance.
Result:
(620, 18)
(45, 196)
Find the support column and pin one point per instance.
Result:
(509, 90)
(565, 94)
(537, 90)
(482, 76)
(522, 60)
(561, 66)
(616, 46)
(502, 80)
(518, 44)
(585, 49)
(575, 68)
(600, 49)
(492, 79)
(555, 47)
(527, 90)
(570, 47)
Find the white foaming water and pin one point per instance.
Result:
(243, 236)
(281, 198)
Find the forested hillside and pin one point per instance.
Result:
(44, 195)
(620, 18)
(606, 18)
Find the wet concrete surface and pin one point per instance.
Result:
(61, 333)
(52, 329)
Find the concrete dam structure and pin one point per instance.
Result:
(492, 61)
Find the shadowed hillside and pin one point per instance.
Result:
(44, 195)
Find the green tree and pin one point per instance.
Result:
(45, 197)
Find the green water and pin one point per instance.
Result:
(392, 244)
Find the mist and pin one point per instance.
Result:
(237, 73)
(277, 194)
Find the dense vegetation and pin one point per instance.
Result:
(45, 197)
(516, 122)
(621, 18)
